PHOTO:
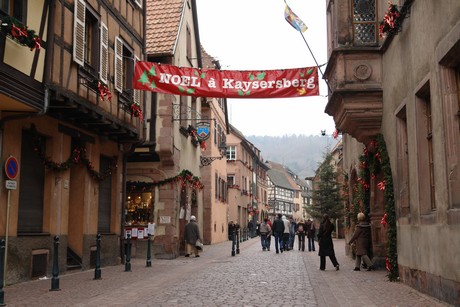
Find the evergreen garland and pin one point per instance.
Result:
(77, 156)
(19, 32)
(184, 177)
(373, 162)
(390, 212)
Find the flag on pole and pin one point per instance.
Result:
(294, 20)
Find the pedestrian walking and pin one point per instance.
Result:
(192, 234)
(292, 232)
(287, 230)
(278, 231)
(301, 234)
(265, 233)
(326, 246)
(269, 238)
(311, 233)
(251, 228)
(362, 237)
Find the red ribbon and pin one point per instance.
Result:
(17, 32)
(136, 111)
(104, 91)
(37, 43)
(383, 221)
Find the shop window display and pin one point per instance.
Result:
(139, 208)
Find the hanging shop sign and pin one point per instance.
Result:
(283, 83)
(203, 130)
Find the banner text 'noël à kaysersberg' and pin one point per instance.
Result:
(283, 83)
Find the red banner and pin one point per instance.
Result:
(215, 83)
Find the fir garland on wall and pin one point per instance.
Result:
(77, 156)
(183, 178)
(374, 162)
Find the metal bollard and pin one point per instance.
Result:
(238, 241)
(2, 271)
(128, 254)
(149, 258)
(239, 234)
(55, 279)
(233, 242)
(97, 269)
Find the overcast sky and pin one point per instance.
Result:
(253, 35)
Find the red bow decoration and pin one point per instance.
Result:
(335, 134)
(387, 264)
(383, 221)
(136, 111)
(17, 32)
(37, 43)
(104, 91)
(381, 185)
(203, 145)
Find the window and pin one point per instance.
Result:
(105, 199)
(139, 207)
(231, 180)
(189, 44)
(15, 8)
(90, 41)
(402, 184)
(231, 153)
(425, 148)
(364, 22)
(31, 194)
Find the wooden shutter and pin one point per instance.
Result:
(79, 32)
(118, 79)
(139, 3)
(104, 58)
(136, 93)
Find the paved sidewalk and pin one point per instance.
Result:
(251, 278)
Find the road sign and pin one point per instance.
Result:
(11, 168)
(11, 184)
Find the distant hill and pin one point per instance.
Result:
(301, 153)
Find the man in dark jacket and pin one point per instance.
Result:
(192, 234)
(278, 230)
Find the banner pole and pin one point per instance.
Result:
(317, 65)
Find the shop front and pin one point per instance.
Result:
(139, 219)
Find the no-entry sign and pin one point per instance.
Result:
(11, 168)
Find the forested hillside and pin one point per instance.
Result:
(301, 153)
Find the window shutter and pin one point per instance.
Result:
(79, 32)
(118, 80)
(139, 3)
(136, 93)
(104, 58)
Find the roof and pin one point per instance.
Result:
(279, 176)
(163, 21)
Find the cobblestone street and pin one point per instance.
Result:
(251, 278)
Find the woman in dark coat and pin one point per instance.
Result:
(326, 246)
(362, 236)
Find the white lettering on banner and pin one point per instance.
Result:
(284, 83)
(179, 80)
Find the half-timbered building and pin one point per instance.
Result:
(69, 116)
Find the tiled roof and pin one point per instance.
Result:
(163, 22)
